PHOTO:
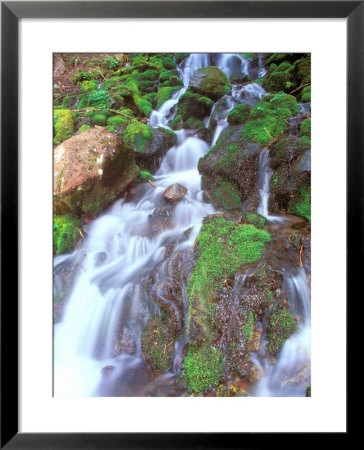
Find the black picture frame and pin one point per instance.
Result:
(11, 12)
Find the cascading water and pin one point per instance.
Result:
(119, 250)
(291, 371)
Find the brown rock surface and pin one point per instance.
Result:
(174, 192)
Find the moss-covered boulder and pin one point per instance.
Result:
(305, 128)
(150, 144)
(230, 170)
(290, 160)
(90, 170)
(164, 94)
(210, 82)
(268, 118)
(63, 123)
(239, 114)
(192, 105)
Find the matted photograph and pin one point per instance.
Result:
(182, 224)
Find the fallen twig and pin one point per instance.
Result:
(297, 89)
(301, 255)
(152, 184)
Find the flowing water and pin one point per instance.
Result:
(107, 298)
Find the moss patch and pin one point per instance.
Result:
(305, 128)
(65, 233)
(282, 324)
(268, 118)
(239, 114)
(203, 367)
(63, 122)
(300, 205)
(210, 82)
(164, 94)
(138, 135)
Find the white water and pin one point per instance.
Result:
(264, 176)
(284, 378)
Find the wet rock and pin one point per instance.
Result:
(150, 157)
(290, 161)
(234, 161)
(174, 192)
(90, 170)
(107, 370)
(64, 274)
(255, 374)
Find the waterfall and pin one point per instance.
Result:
(99, 335)
(293, 363)
(106, 293)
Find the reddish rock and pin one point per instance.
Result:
(90, 170)
(174, 192)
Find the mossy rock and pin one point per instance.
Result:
(138, 135)
(303, 70)
(282, 324)
(81, 75)
(157, 342)
(193, 105)
(203, 367)
(89, 85)
(63, 122)
(239, 114)
(210, 82)
(306, 94)
(164, 94)
(255, 219)
(268, 118)
(278, 81)
(300, 204)
(222, 193)
(91, 169)
(233, 160)
(222, 247)
(66, 232)
(305, 128)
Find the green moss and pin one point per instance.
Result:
(81, 75)
(303, 70)
(163, 60)
(138, 135)
(300, 205)
(65, 233)
(89, 85)
(239, 114)
(203, 367)
(224, 193)
(277, 58)
(144, 175)
(164, 94)
(83, 128)
(157, 342)
(110, 63)
(179, 57)
(222, 247)
(306, 94)
(149, 75)
(193, 105)
(248, 326)
(151, 98)
(268, 118)
(117, 121)
(255, 219)
(305, 128)
(110, 128)
(143, 105)
(63, 122)
(308, 391)
(176, 122)
(284, 67)
(282, 324)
